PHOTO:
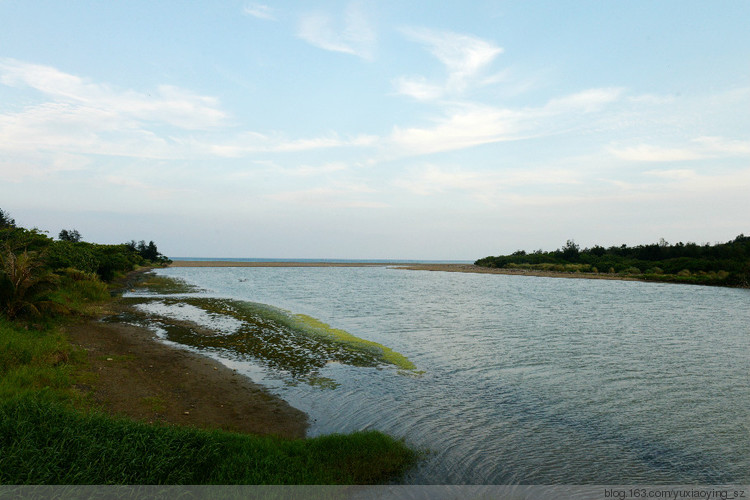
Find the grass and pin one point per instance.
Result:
(33, 360)
(51, 434)
(44, 442)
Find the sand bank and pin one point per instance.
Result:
(454, 268)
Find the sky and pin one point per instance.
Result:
(447, 130)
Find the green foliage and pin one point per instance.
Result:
(6, 221)
(42, 442)
(25, 284)
(72, 235)
(32, 360)
(78, 291)
(721, 264)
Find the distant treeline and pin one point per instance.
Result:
(40, 274)
(725, 264)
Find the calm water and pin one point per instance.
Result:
(526, 380)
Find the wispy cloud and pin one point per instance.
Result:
(166, 104)
(254, 142)
(486, 186)
(463, 56)
(467, 125)
(696, 149)
(356, 37)
(260, 11)
(650, 153)
(74, 116)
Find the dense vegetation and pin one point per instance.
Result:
(726, 264)
(53, 434)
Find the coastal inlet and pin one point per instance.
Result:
(517, 380)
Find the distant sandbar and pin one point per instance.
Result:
(455, 268)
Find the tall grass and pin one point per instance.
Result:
(43, 442)
(33, 360)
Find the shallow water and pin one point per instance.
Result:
(526, 380)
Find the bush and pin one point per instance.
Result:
(25, 284)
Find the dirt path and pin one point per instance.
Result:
(135, 375)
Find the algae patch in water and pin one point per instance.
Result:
(386, 354)
(155, 284)
(296, 345)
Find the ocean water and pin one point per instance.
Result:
(524, 380)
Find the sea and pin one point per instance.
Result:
(521, 380)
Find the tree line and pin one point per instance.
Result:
(718, 264)
(33, 266)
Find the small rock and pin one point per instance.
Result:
(109, 359)
(187, 413)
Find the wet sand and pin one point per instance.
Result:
(129, 372)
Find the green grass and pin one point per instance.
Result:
(33, 360)
(49, 433)
(44, 442)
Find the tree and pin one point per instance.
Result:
(72, 235)
(6, 221)
(24, 284)
(570, 251)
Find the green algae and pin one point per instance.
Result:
(296, 345)
(163, 285)
(386, 354)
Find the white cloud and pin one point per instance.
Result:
(357, 36)
(470, 125)
(260, 11)
(721, 145)
(165, 104)
(649, 153)
(254, 142)
(418, 88)
(587, 101)
(463, 56)
(486, 186)
(466, 127)
(695, 149)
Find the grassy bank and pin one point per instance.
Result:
(46, 442)
(53, 432)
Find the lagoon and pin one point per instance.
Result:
(520, 380)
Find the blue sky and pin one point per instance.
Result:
(376, 129)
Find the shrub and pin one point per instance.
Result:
(25, 284)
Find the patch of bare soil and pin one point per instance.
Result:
(137, 376)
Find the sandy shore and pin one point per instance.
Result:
(454, 268)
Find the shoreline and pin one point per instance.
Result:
(129, 372)
(455, 268)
